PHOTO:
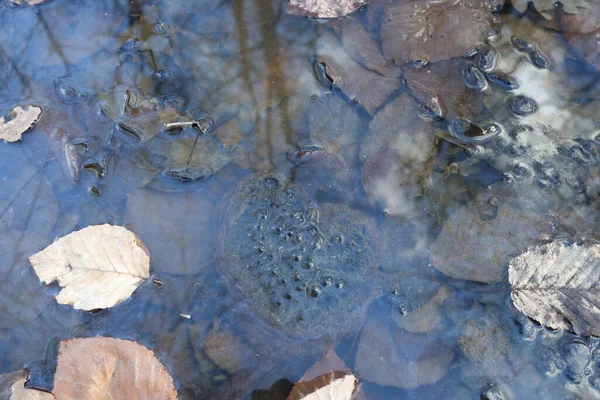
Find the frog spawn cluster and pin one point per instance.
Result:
(297, 271)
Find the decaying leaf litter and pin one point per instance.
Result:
(406, 191)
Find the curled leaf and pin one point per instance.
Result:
(21, 120)
(559, 286)
(97, 267)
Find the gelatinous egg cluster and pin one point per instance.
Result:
(296, 270)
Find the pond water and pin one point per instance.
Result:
(302, 185)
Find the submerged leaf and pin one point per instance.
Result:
(395, 154)
(559, 286)
(102, 368)
(97, 267)
(477, 240)
(180, 235)
(324, 8)
(389, 357)
(369, 88)
(21, 120)
(545, 7)
(423, 30)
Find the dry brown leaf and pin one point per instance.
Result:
(106, 368)
(12, 387)
(324, 8)
(21, 120)
(559, 286)
(434, 31)
(97, 267)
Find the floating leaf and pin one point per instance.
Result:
(12, 387)
(559, 286)
(324, 8)
(107, 368)
(545, 7)
(434, 31)
(21, 120)
(96, 267)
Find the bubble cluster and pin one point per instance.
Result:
(298, 272)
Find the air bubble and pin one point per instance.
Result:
(522, 105)
(474, 78)
(314, 291)
(547, 180)
(503, 81)
(271, 183)
(487, 59)
(65, 91)
(319, 69)
(466, 131)
(521, 44)
(538, 60)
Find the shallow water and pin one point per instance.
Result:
(414, 183)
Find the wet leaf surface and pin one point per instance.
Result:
(556, 285)
(94, 368)
(432, 31)
(96, 267)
